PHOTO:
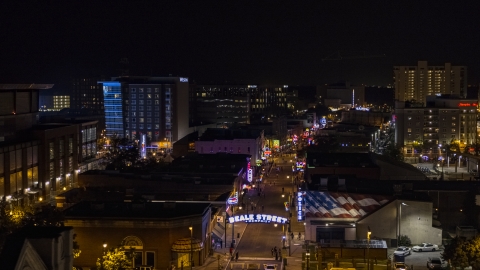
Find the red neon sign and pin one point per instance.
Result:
(467, 104)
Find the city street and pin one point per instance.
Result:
(258, 239)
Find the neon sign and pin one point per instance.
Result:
(249, 173)
(234, 199)
(299, 206)
(467, 104)
(257, 218)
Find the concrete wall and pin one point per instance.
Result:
(415, 222)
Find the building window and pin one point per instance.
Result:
(409, 130)
(150, 258)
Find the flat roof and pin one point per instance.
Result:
(24, 86)
(132, 210)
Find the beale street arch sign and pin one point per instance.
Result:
(258, 218)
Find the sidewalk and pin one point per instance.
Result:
(221, 256)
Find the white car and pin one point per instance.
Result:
(425, 247)
(270, 266)
(402, 251)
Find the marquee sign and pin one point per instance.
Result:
(258, 218)
(461, 104)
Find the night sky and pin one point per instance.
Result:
(250, 42)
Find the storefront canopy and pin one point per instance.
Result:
(185, 245)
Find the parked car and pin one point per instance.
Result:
(401, 266)
(435, 263)
(270, 266)
(425, 247)
(402, 251)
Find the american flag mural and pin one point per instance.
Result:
(341, 205)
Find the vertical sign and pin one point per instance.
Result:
(299, 206)
(249, 172)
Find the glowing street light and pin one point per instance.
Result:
(191, 246)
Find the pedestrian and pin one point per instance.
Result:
(283, 189)
(272, 252)
(231, 251)
(291, 235)
(236, 256)
(276, 256)
(280, 253)
(299, 235)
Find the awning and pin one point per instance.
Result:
(218, 230)
(185, 245)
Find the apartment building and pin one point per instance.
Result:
(418, 82)
(444, 119)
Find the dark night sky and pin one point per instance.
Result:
(234, 41)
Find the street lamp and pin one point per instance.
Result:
(368, 248)
(104, 246)
(400, 220)
(308, 260)
(191, 246)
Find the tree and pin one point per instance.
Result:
(393, 151)
(116, 258)
(404, 240)
(463, 253)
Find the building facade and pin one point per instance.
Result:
(443, 120)
(87, 94)
(418, 82)
(236, 141)
(158, 231)
(237, 103)
(36, 160)
(342, 94)
(153, 106)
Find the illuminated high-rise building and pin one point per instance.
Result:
(154, 106)
(418, 82)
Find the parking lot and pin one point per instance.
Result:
(419, 259)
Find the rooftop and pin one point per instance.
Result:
(230, 134)
(126, 210)
(317, 159)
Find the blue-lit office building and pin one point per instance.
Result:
(153, 106)
(112, 98)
